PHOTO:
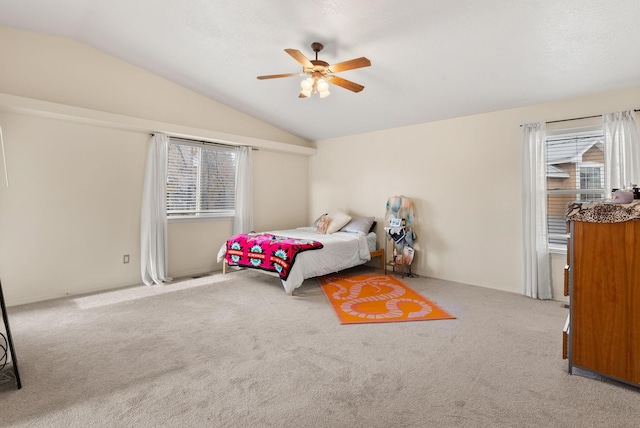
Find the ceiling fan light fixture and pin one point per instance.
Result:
(322, 86)
(314, 85)
(307, 84)
(305, 93)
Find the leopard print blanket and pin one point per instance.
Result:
(603, 212)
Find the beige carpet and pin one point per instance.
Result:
(236, 351)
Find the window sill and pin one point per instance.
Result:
(188, 219)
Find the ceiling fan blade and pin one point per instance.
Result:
(301, 95)
(299, 56)
(349, 65)
(344, 83)
(276, 76)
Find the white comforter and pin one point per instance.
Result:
(341, 250)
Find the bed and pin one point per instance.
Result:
(347, 247)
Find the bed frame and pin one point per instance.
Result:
(377, 253)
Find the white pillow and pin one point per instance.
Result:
(359, 224)
(338, 220)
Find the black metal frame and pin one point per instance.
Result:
(14, 361)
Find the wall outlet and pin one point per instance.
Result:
(125, 258)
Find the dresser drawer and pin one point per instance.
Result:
(565, 338)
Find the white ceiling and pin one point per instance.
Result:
(431, 59)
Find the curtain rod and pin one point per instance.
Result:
(578, 118)
(575, 118)
(208, 143)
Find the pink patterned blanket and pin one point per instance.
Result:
(266, 251)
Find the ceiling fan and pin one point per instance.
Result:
(321, 73)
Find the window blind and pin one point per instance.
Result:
(200, 180)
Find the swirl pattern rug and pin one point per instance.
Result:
(377, 298)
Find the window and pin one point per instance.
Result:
(200, 180)
(591, 178)
(575, 172)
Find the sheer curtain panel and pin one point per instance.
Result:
(154, 213)
(4, 159)
(622, 154)
(243, 218)
(536, 261)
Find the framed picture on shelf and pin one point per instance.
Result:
(395, 222)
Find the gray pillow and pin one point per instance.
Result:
(359, 224)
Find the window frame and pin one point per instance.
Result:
(580, 132)
(200, 214)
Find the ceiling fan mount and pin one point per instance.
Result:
(317, 47)
(320, 72)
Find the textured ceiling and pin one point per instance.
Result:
(430, 59)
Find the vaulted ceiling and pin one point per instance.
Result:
(431, 59)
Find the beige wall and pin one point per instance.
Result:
(464, 177)
(65, 71)
(72, 208)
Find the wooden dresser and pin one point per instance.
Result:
(602, 333)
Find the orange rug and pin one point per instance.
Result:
(377, 298)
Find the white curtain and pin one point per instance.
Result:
(153, 223)
(243, 220)
(4, 159)
(622, 154)
(536, 261)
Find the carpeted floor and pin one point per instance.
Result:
(237, 351)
